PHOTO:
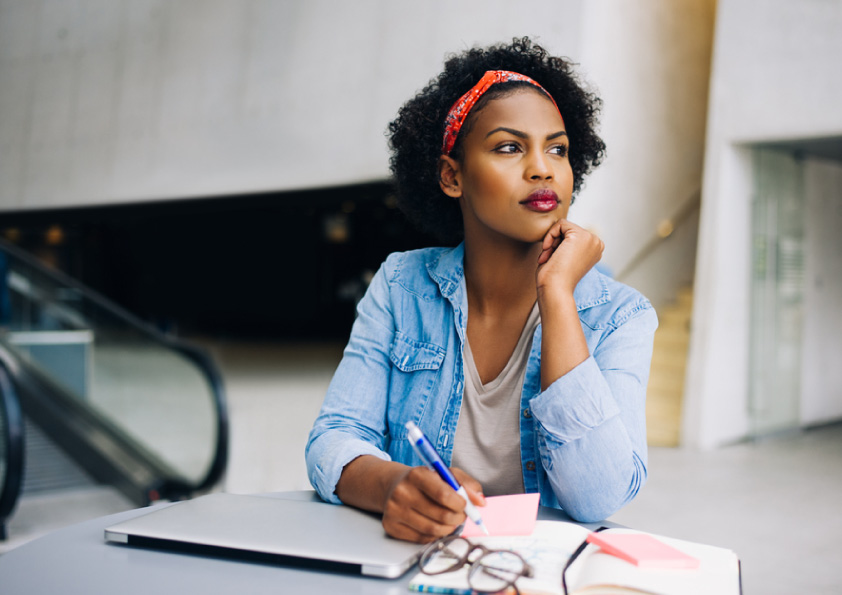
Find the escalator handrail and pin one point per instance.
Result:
(13, 480)
(195, 354)
(220, 457)
(94, 296)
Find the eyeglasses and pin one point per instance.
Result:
(491, 571)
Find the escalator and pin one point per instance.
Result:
(11, 448)
(133, 408)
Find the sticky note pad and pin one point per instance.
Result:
(506, 515)
(643, 550)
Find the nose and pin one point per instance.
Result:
(538, 166)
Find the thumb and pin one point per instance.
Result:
(472, 487)
(476, 496)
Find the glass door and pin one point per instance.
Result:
(777, 292)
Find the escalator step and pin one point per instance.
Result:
(47, 467)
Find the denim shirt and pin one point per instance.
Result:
(582, 440)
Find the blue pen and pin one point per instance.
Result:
(431, 458)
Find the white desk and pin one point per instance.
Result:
(78, 560)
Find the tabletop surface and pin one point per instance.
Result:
(77, 559)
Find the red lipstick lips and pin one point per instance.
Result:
(542, 201)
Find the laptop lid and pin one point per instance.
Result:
(296, 532)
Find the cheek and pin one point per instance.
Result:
(568, 175)
(567, 183)
(488, 183)
(563, 209)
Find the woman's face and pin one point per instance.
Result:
(515, 179)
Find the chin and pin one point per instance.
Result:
(535, 238)
(538, 238)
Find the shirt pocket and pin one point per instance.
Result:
(409, 355)
(414, 379)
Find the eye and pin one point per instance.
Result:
(508, 148)
(560, 150)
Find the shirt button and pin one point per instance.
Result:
(530, 465)
(527, 413)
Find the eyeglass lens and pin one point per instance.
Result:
(495, 571)
(445, 555)
(491, 571)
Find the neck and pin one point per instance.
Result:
(500, 277)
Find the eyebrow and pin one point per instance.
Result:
(521, 134)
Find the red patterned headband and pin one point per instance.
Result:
(463, 106)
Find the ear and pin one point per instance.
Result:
(450, 176)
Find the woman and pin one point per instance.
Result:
(525, 366)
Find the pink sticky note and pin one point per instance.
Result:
(643, 550)
(506, 515)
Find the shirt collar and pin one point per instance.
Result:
(448, 271)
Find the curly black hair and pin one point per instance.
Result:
(415, 136)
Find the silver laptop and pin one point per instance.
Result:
(302, 533)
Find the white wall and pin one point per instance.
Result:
(775, 77)
(651, 62)
(110, 101)
(105, 101)
(821, 383)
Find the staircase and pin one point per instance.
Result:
(669, 364)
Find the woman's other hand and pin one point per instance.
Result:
(568, 252)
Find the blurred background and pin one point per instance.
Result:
(214, 174)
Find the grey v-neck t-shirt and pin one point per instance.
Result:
(487, 441)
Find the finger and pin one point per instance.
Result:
(552, 240)
(581, 234)
(410, 525)
(546, 253)
(435, 499)
(554, 235)
(436, 490)
(471, 485)
(410, 514)
(566, 225)
(400, 529)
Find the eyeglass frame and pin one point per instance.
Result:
(436, 545)
(573, 558)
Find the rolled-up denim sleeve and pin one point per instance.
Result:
(591, 422)
(352, 420)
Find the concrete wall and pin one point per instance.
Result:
(105, 101)
(821, 383)
(774, 77)
(651, 62)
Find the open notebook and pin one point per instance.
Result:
(297, 532)
(552, 543)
